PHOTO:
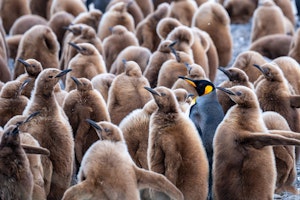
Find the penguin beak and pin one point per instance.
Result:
(63, 72)
(24, 84)
(188, 67)
(260, 69)
(95, 126)
(175, 53)
(75, 46)
(190, 81)
(226, 72)
(76, 80)
(26, 64)
(226, 91)
(15, 131)
(32, 115)
(173, 43)
(152, 91)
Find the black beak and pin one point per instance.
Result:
(24, 84)
(63, 72)
(152, 91)
(173, 43)
(260, 69)
(76, 80)
(94, 124)
(226, 72)
(32, 115)
(225, 90)
(75, 46)
(188, 67)
(26, 64)
(175, 53)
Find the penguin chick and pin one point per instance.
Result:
(165, 26)
(195, 72)
(135, 128)
(11, 101)
(235, 76)
(119, 177)
(16, 177)
(290, 69)
(242, 137)
(32, 149)
(102, 83)
(184, 38)
(87, 63)
(146, 29)
(32, 70)
(214, 19)
(274, 94)
(82, 103)
(78, 33)
(132, 8)
(113, 44)
(106, 130)
(116, 15)
(175, 148)
(91, 18)
(267, 19)
(74, 7)
(127, 92)
(25, 22)
(39, 43)
(284, 155)
(171, 69)
(156, 60)
(287, 9)
(206, 113)
(140, 55)
(57, 22)
(183, 10)
(272, 46)
(245, 61)
(58, 166)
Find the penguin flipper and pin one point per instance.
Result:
(149, 179)
(78, 191)
(260, 140)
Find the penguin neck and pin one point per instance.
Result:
(206, 97)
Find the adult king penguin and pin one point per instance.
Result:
(206, 112)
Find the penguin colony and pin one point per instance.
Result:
(120, 100)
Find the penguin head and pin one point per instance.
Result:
(271, 72)
(13, 89)
(32, 66)
(241, 95)
(84, 48)
(235, 74)
(10, 137)
(48, 78)
(107, 130)
(82, 84)
(195, 71)
(202, 86)
(164, 98)
(132, 69)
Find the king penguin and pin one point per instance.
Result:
(206, 113)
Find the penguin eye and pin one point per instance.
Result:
(163, 94)
(106, 130)
(238, 93)
(50, 76)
